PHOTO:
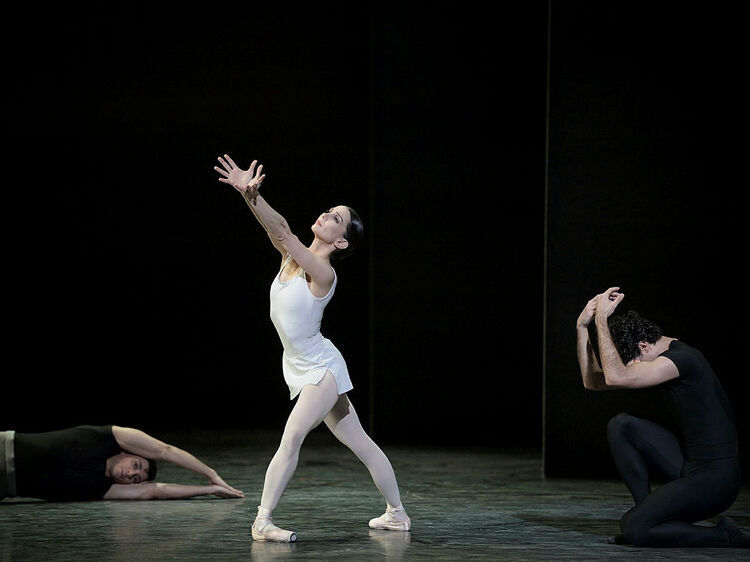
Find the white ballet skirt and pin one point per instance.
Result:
(297, 313)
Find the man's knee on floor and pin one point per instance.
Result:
(634, 529)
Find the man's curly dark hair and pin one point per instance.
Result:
(627, 330)
(151, 469)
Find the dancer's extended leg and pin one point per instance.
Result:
(313, 403)
(345, 425)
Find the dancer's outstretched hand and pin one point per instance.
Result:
(218, 481)
(223, 492)
(244, 181)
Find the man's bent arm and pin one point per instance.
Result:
(636, 374)
(592, 375)
(591, 372)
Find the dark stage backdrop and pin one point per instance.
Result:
(137, 284)
(458, 176)
(643, 185)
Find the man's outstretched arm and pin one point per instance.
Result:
(159, 491)
(139, 443)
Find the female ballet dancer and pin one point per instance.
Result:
(313, 368)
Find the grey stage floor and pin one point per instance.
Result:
(465, 504)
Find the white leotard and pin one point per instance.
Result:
(296, 313)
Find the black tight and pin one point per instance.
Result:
(692, 492)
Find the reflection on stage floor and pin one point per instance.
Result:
(465, 504)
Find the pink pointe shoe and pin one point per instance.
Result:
(264, 530)
(394, 519)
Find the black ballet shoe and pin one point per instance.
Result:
(737, 537)
(617, 539)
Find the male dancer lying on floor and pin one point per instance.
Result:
(701, 467)
(86, 462)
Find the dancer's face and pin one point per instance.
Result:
(129, 469)
(331, 225)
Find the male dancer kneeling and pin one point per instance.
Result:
(701, 482)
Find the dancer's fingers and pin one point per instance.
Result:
(230, 160)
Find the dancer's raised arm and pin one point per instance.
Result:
(248, 182)
(636, 373)
(591, 372)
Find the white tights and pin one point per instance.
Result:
(318, 403)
